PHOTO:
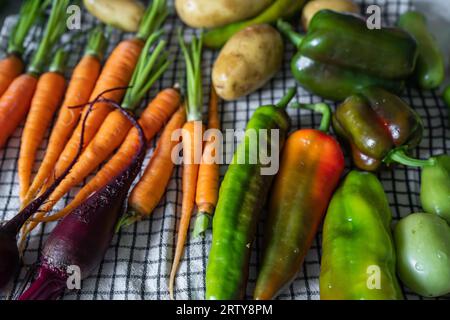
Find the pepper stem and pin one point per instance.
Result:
(322, 108)
(201, 224)
(399, 155)
(288, 31)
(287, 98)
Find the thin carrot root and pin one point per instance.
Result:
(192, 136)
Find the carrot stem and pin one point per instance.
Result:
(153, 18)
(29, 12)
(55, 28)
(192, 56)
(149, 68)
(59, 62)
(96, 45)
(202, 223)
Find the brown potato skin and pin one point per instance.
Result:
(216, 13)
(312, 7)
(247, 61)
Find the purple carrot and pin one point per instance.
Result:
(9, 252)
(82, 237)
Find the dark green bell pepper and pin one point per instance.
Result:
(430, 70)
(339, 55)
(358, 260)
(241, 199)
(446, 96)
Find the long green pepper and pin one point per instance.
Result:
(216, 38)
(241, 198)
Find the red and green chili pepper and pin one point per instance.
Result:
(311, 165)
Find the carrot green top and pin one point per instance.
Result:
(153, 18)
(56, 26)
(151, 65)
(97, 43)
(29, 12)
(193, 58)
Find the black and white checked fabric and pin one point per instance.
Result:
(138, 262)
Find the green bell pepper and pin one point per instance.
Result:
(339, 55)
(358, 260)
(373, 123)
(435, 186)
(216, 38)
(241, 198)
(430, 70)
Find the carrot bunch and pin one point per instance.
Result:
(16, 101)
(192, 142)
(117, 73)
(115, 127)
(12, 65)
(151, 65)
(78, 92)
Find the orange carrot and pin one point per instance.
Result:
(116, 73)
(80, 88)
(49, 92)
(10, 68)
(192, 136)
(14, 104)
(208, 175)
(148, 192)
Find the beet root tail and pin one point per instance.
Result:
(49, 285)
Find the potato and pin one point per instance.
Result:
(215, 13)
(312, 7)
(122, 14)
(247, 61)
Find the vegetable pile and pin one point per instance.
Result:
(101, 129)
